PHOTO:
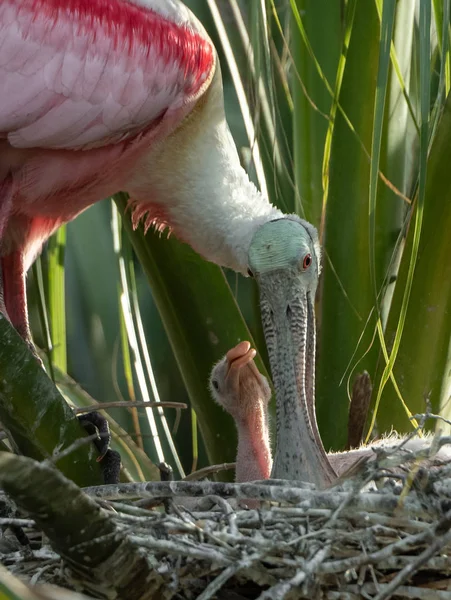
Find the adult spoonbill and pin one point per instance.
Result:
(99, 96)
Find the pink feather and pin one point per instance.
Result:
(94, 60)
(87, 87)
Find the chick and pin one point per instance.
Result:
(239, 387)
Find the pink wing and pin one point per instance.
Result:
(79, 74)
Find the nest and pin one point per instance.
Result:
(383, 531)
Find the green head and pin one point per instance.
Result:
(284, 258)
(288, 243)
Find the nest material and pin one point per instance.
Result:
(384, 532)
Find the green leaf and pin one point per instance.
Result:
(388, 18)
(320, 20)
(56, 294)
(422, 366)
(36, 415)
(346, 299)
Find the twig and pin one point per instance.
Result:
(306, 498)
(280, 590)
(355, 592)
(206, 471)
(223, 577)
(229, 512)
(414, 566)
(127, 404)
(16, 522)
(180, 549)
(353, 562)
(83, 441)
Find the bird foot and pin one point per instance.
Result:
(110, 460)
(111, 467)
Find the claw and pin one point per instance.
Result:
(94, 422)
(111, 466)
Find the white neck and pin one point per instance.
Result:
(195, 178)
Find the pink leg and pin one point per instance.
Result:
(15, 293)
(5, 210)
(2, 297)
(6, 200)
(22, 238)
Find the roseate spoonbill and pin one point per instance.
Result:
(99, 96)
(239, 387)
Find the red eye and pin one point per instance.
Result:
(307, 261)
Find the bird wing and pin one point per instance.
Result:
(80, 74)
